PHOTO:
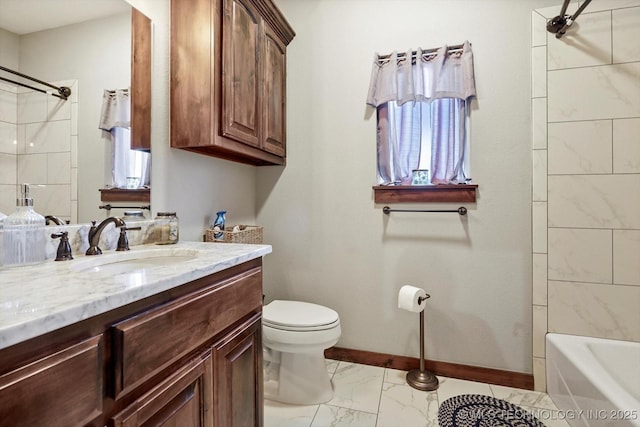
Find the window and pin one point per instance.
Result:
(422, 100)
(423, 135)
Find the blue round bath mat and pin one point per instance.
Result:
(467, 410)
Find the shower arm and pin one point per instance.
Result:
(565, 5)
(562, 22)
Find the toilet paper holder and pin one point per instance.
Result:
(421, 379)
(424, 298)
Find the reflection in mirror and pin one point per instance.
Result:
(43, 139)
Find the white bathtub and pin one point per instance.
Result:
(594, 382)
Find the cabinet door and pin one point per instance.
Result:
(140, 81)
(274, 95)
(192, 86)
(63, 389)
(241, 98)
(238, 377)
(183, 400)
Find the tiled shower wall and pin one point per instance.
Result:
(8, 147)
(39, 145)
(586, 176)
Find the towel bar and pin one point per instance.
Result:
(461, 210)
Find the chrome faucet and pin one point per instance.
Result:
(96, 231)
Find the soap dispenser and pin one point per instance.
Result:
(24, 235)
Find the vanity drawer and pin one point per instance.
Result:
(151, 341)
(63, 389)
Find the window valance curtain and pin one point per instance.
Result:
(116, 110)
(423, 77)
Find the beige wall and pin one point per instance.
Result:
(586, 175)
(332, 245)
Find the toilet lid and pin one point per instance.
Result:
(295, 315)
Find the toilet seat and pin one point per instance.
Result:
(299, 316)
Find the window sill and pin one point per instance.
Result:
(443, 193)
(124, 195)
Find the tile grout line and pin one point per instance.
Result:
(333, 374)
(384, 376)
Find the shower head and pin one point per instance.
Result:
(559, 25)
(562, 22)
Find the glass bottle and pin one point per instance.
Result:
(2, 217)
(167, 230)
(132, 216)
(24, 236)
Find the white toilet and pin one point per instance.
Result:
(295, 335)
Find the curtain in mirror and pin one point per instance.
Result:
(127, 166)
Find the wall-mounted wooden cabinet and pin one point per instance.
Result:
(228, 79)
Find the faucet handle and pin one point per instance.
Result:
(64, 248)
(123, 240)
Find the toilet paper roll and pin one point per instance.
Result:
(408, 298)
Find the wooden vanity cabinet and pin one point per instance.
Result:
(183, 399)
(238, 386)
(190, 356)
(221, 387)
(228, 79)
(61, 389)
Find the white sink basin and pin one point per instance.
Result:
(133, 261)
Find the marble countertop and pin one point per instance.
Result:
(38, 299)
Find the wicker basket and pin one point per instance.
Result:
(246, 234)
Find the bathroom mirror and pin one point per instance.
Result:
(87, 45)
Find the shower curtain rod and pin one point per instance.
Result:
(450, 49)
(63, 91)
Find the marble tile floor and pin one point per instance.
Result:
(370, 396)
